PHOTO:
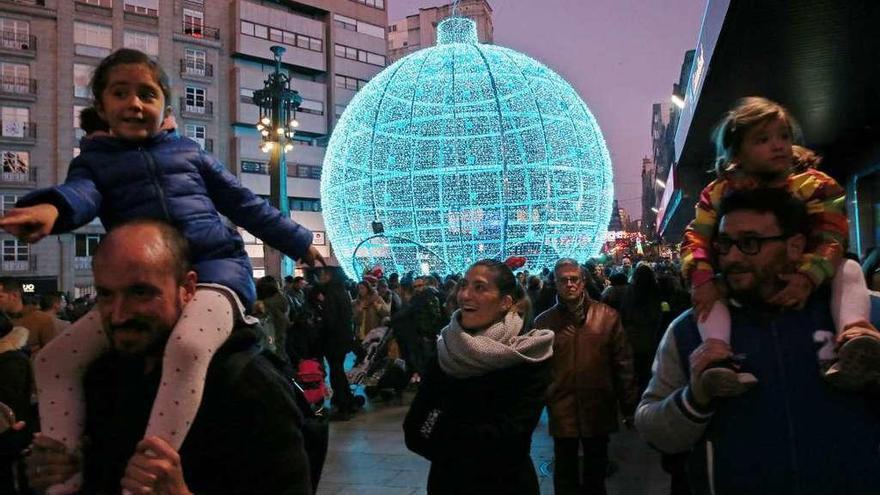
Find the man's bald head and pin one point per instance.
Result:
(156, 240)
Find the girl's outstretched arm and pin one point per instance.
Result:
(253, 213)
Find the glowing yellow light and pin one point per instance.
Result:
(294, 123)
(264, 132)
(280, 131)
(265, 121)
(260, 127)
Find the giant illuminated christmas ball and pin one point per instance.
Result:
(465, 151)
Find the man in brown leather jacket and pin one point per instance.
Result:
(592, 376)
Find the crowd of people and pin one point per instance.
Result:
(187, 376)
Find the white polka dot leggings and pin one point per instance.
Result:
(206, 323)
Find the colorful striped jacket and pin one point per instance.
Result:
(825, 201)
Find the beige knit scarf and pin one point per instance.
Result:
(464, 355)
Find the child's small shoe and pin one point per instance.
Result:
(858, 363)
(724, 381)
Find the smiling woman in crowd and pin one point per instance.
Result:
(481, 399)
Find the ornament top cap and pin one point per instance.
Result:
(457, 30)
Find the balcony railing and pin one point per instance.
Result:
(26, 265)
(10, 40)
(16, 129)
(196, 108)
(190, 68)
(25, 178)
(82, 263)
(18, 85)
(200, 31)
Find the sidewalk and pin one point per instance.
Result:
(367, 456)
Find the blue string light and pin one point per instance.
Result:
(465, 151)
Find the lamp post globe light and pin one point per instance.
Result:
(277, 124)
(464, 151)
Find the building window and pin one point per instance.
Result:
(254, 167)
(355, 25)
(7, 202)
(360, 55)
(16, 78)
(308, 172)
(143, 7)
(195, 61)
(247, 95)
(82, 75)
(264, 32)
(305, 204)
(195, 99)
(193, 23)
(77, 129)
(313, 107)
(86, 244)
(15, 121)
(347, 82)
(14, 33)
(16, 165)
(15, 250)
(377, 4)
(196, 133)
(92, 40)
(339, 109)
(146, 43)
(345, 22)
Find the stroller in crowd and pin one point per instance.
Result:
(382, 373)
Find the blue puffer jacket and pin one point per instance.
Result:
(792, 434)
(169, 177)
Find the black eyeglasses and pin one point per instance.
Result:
(749, 245)
(575, 280)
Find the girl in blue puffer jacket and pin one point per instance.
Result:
(142, 171)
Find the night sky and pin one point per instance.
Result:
(620, 55)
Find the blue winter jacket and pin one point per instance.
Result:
(169, 177)
(793, 433)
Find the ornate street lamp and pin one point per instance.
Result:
(278, 104)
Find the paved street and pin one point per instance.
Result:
(367, 456)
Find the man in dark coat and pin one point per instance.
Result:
(337, 338)
(416, 325)
(593, 376)
(246, 437)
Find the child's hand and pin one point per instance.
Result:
(703, 297)
(312, 257)
(795, 294)
(31, 223)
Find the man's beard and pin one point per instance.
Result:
(158, 335)
(754, 295)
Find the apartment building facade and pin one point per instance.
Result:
(419, 30)
(215, 54)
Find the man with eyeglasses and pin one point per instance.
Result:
(593, 378)
(791, 433)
